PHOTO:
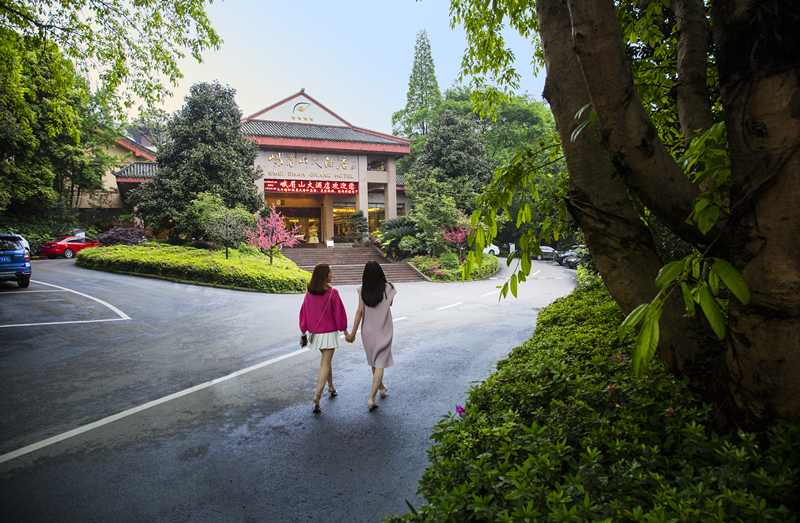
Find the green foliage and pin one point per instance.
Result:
(701, 281)
(39, 225)
(410, 246)
(540, 208)
(357, 226)
(207, 152)
(423, 92)
(223, 225)
(455, 154)
(433, 205)
(129, 46)
(434, 269)
(242, 269)
(563, 432)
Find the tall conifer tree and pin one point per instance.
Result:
(423, 92)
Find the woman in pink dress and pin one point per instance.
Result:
(322, 314)
(375, 299)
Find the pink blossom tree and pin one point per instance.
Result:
(458, 234)
(271, 235)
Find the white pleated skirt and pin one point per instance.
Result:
(325, 340)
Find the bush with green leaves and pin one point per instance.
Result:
(562, 431)
(449, 261)
(243, 269)
(409, 246)
(433, 268)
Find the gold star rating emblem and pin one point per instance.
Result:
(304, 118)
(292, 117)
(310, 118)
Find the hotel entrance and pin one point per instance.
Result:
(306, 213)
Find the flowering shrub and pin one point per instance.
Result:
(562, 431)
(248, 270)
(124, 236)
(449, 270)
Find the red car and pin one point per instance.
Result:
(66, 246)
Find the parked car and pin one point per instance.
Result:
(15, 260)
(66, 246)
(561, 257)
(492, 249)
(571, 262)
(547, 253)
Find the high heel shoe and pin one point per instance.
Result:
(316, 403)
(332, 390)
(372, 406)
(383, 391)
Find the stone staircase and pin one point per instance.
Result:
(347, 263)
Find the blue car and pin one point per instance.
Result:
(15, 260)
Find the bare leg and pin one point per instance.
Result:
(381, 387)
(377, 382)
(325, 370)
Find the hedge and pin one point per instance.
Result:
(563, 432)
(445, 268)
(247, 270)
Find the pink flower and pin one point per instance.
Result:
(611, 388)
(670, 412)
(460, 410)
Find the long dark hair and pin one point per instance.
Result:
(373, 284)
(319, 280)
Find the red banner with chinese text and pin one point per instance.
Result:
(310, 187)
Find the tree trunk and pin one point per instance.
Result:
(760, 87)
(641, 159)
(617, 238)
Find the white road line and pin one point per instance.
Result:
(24, 292)
(105, 421)
(535, 273)
(61, 322)
(489, 294)
(447, 307)
(122, 315)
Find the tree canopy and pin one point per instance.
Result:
(423, 92)
(131, 47)
(656, 124)
(207, 152)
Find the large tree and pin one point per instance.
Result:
(423, 93)
(207, 152)
(654, 81)
(132, 47)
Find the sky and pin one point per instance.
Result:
(352, 56)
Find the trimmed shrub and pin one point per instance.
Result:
(433, 268)
(124, 236)
(563, 432)
(200, 265)
(449, 261)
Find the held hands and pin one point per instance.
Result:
(350, 337)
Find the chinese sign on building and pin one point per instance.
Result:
(308, 165)
(311, 187)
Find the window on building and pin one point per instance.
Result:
(401, 209)
(376, 164)
(341, 214)
(377, 215)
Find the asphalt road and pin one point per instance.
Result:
(134, 399)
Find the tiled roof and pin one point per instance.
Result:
(315, 132)
(138, 170)
(138, 148)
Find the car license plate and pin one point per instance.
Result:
(5, 259)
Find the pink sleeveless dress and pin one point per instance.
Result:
(377, 330)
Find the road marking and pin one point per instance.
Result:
(448, 306)
(122, 315)
(489, 294)
(105, 421)
(535, 273)
(26, 292)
